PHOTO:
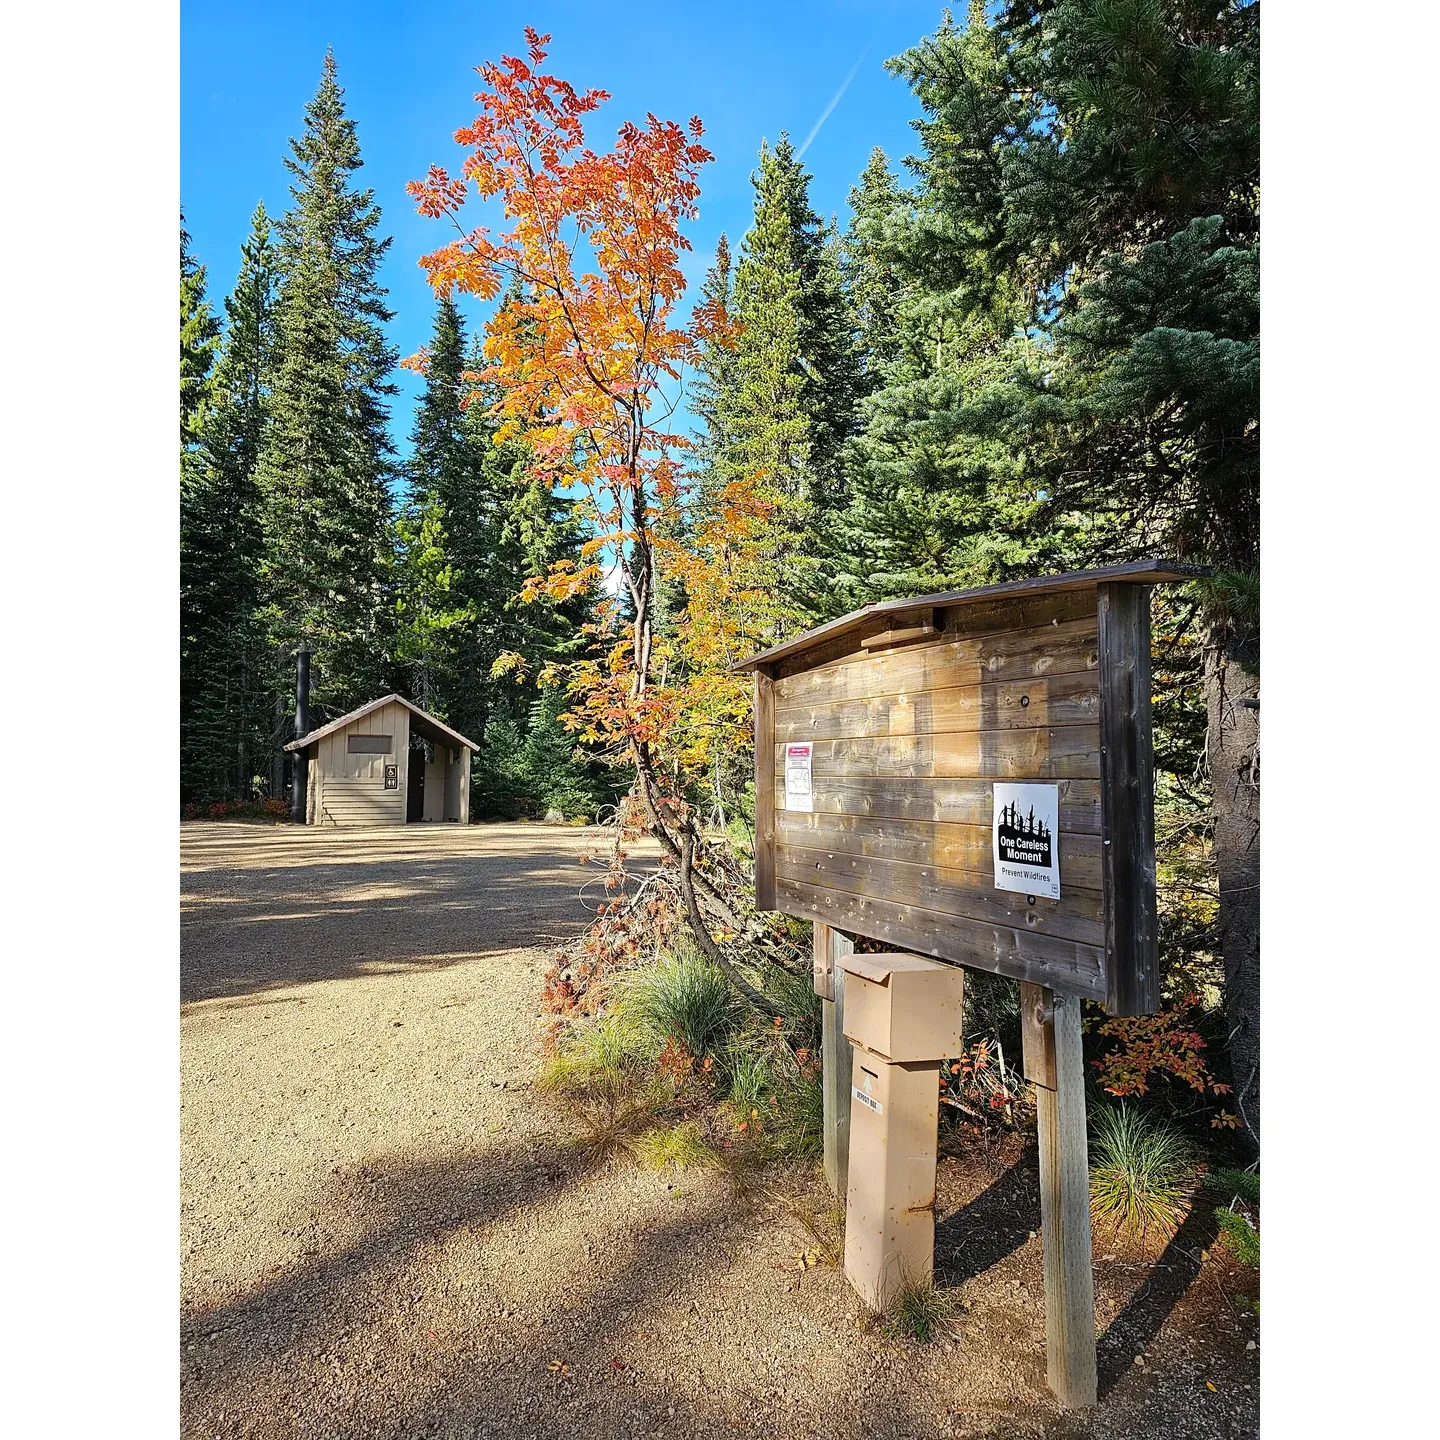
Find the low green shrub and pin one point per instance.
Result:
(1239, 1184)
(1240, 1234)
(524, 772)
(1141, 1170)
(269, 807)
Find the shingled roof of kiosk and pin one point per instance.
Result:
(889, 622)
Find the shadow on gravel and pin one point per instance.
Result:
(413, 1206)
(266, 1362)
(1131, 1331)
(996, 1223)
(342, 1347)
(247, 930)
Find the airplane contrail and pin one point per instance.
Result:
(834, 101)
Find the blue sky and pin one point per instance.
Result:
(749, 71)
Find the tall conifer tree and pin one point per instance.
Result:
(784, 401)
(710, 396)
(1099, 159)
(326, 465)
(199, 337)
(762, 415)
(223, 700)
(874, 277)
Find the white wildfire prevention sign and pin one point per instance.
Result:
(1026, 839)
(798, 759)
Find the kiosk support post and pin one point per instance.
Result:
(835, 1054)
(1051, 1031)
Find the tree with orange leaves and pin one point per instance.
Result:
(589, 359)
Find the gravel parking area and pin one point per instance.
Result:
(385, 1232)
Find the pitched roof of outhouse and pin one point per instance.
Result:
(1136, 571)
(429, 726)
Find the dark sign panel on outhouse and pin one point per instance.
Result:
(969, 775)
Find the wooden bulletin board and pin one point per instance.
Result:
(905, 715)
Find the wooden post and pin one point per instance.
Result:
(1127, 793)
(835, 1054)
(1037, 1034)
(1054, 1034)
(764, 792)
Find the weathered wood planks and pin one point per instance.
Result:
(1022, 955)
(1067, 752)
(944, 844)
(807, 649)
(963, 801)
(1067, 647)
(1077, 915)
(1040, 702)
(909, 731)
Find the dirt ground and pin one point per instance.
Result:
(385, 1232)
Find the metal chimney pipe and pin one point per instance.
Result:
(302, 729)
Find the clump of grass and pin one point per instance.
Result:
(1240, 1234)
(1141, 1171)
(681, 1147)
(685, 1147)
(774, 1101)
(796, 998)
(611, 1128)
(748, 1074)
(684, 998)
(607, 1061)
(921, 1312)
(606, 1071)
(797, 1116)
(824, 1229)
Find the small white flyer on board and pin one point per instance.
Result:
(798, 759)
(1026, 838)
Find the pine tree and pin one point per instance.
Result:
(762, 414)
(1099, 161)
(476, 525)
(326, 464)
(874, 277)
(223, 701)
(710, 394)
(834, 364)
(433, 614)
(780, 407)
(199, 337)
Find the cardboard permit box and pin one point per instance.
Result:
(904, 1007)
(890, 1202)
